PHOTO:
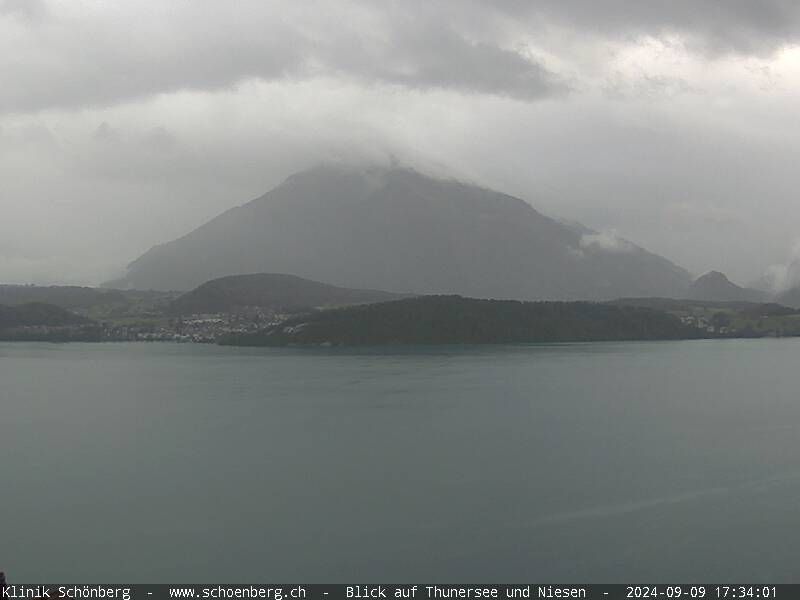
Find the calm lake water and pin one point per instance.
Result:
(611, 462)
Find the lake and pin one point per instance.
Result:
(606, 462)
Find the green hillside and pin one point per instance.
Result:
(458, 320)
(36, 314)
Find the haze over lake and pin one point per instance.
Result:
(666, 461)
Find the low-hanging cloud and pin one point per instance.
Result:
(784, 276)
(606, 241)
(124, 125)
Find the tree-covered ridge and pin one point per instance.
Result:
(37, 314)
(65, 296)
(270, 290)
(459, 320)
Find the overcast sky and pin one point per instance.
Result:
(125, 124)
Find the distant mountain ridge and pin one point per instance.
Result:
(715, 286)
(396, 229)
(270, 290)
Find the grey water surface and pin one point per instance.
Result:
(607, 462)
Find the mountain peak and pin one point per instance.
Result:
(396, 228)
(715, 277)
(715, 286)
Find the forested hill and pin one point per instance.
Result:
(459, 320)
(65, 296)
(270, 290)
(36, 314)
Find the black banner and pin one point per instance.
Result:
(407, 591)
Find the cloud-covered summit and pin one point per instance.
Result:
(123, 124)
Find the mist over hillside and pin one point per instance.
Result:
(396, 229)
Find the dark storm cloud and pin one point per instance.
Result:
(432, 55)
(76, 64)
(76, 54)
(102, 57)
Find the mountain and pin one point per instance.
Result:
(400, 230)
(457, 320)
(716, 287)
(269, 290)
